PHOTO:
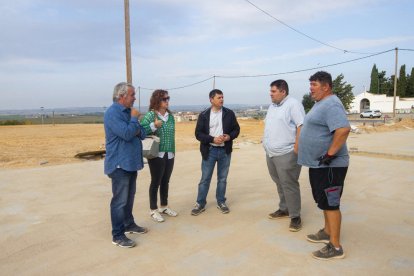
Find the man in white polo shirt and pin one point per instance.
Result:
(282, 127)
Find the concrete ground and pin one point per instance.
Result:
(55, 220)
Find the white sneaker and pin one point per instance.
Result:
(168, 211)
(156, 216)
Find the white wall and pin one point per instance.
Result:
(381, 102)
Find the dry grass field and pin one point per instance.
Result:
(43, 145)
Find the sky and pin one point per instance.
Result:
(57, 53)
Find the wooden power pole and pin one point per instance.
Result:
(128, 42)
(395, 81)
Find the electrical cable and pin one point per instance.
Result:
(304, 70)
(302, 33)
(181, 87)
(280, 73)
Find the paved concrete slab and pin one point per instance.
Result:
(55, 220)
(393, 142)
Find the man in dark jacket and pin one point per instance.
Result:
(216, 129)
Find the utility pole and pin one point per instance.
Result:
(41, 114)
(139, 98)
(214, 82)
(128, 42)
(395, 81)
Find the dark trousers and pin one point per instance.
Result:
(123, 191)
(161, 170)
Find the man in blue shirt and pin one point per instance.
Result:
(123, 135)
(322, 148)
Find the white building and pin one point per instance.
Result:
(180, 117)
(382, 102)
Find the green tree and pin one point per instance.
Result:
(373, 87)
(382, 79)
(307, 102)
(343, 91)
(402, 82)
(410, 84)
(389, 86)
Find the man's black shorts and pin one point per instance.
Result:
(327, 186)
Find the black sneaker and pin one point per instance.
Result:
(135, 229)
(295, 224)
(223, 208)
(197, 210)
(329, 252)
(321, 236)
(123, 242)
(279, 214)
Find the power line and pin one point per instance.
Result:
(304, 70)
(181, 87)
(280, 73)
(302, 33)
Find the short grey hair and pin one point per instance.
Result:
(121, 90)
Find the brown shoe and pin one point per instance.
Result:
(278, 214)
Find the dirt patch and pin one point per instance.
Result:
(404, 124)
(44, 145)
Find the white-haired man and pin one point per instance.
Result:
(123, 135)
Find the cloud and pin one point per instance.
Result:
(85, 31)
(361, 43)
(351, 44)
(239, 18)
(79, 45)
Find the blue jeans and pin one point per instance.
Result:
(124, 185)
(216, 154)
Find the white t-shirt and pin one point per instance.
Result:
(216, 125)
(280, 126)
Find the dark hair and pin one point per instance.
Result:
(156, 99)
(323, 77)
(281, 85)
(214, 92)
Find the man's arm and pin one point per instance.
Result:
(126, 130)
(234, 133)
(200, 135)
(296, 146)
(339, 139)
(297, 113)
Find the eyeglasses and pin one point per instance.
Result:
(166, 99)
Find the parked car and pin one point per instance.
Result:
(371, 114)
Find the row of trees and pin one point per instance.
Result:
(340, 88)
(381, 84)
